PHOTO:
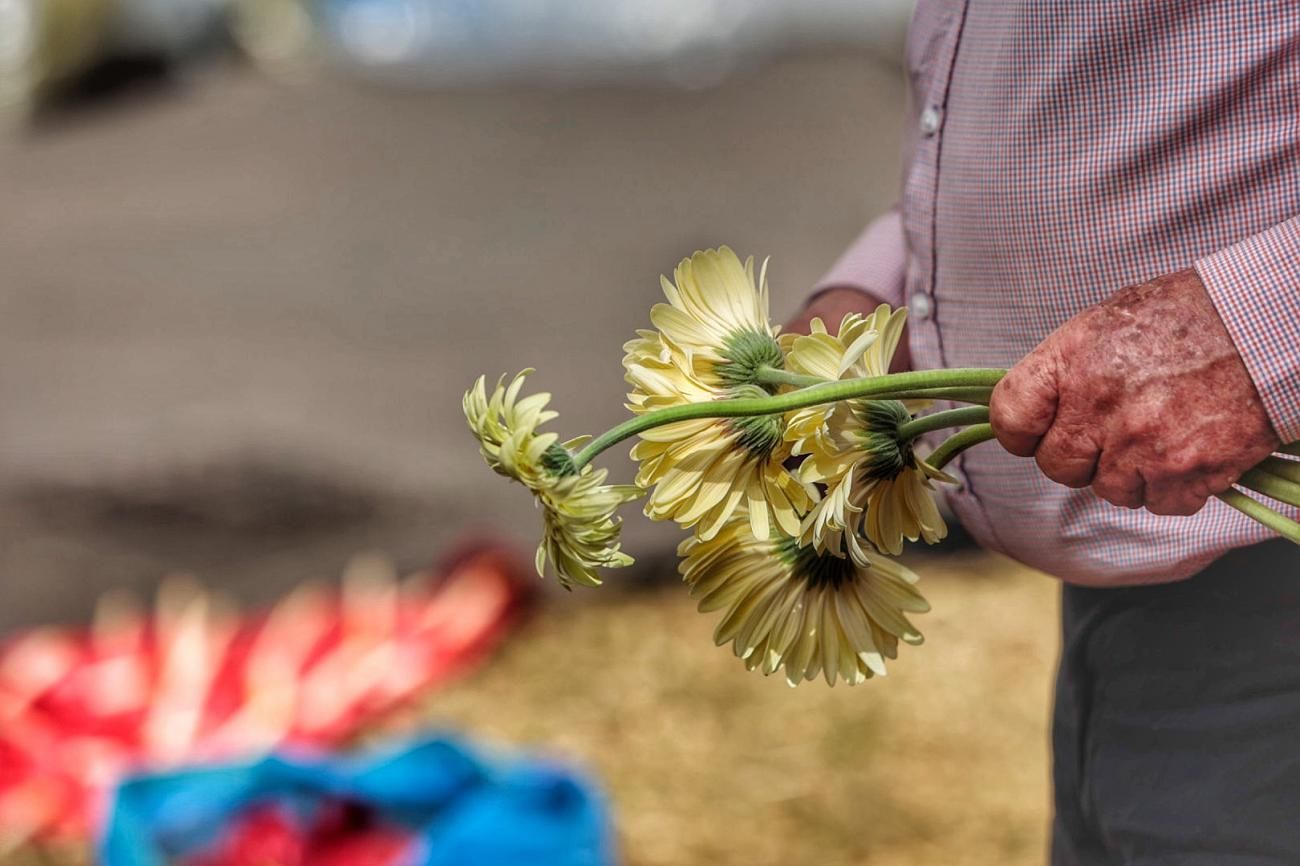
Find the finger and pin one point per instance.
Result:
(1118, 485)
(1023, 405)
(1178, 499)
(1218, 482)
(1067, 457)
(801, 322)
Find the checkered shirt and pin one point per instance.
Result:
(1058, 151)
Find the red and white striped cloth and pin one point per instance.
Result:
(193, 683)
(1059, 151)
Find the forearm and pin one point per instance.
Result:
(871, 272)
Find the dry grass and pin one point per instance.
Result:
(945, 761)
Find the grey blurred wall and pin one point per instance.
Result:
(236, 319)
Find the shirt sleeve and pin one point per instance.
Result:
(1255, 286)
(875, 263)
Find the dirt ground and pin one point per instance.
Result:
(942, 762)
(236, 318)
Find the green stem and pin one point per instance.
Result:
(1281, 489)
(959, 442)
(1261, 513)
(1288, 469)
(883, 387)
(943, 420)
(766, 375)
(773, 376)
(957, 395)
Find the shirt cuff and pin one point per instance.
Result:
(875, 263)
(1255, 286)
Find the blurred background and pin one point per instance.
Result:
(253, 251)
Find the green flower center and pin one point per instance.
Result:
(558, 461)
(817, 569)
(745, 353)
(757, 434)
(886, 455)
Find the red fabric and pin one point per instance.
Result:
(341, 837)
(188, 685)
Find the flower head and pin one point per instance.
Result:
(580, 529)
(862, 348)
(713, 338)
(877, 488)
(789, 607)
(716, 319)
(506, 428)
(580, 532)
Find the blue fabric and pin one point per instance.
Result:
(459, 809)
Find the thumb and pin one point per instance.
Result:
(1023, 405)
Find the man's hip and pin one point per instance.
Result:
(1177, 724)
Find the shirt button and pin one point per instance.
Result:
(920, 306)
(930, 120)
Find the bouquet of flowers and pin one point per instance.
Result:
(793, 459)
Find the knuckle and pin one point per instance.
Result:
(1187, 463)
(1183, 504)
(1117, 490)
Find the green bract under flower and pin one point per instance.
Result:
(885, 456)
(745, 353)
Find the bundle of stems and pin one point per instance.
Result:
(1276, 478)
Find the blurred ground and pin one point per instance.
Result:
(942, 762)
(236, 319)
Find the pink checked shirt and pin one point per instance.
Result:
(1061, 150)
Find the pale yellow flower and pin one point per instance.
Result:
(580, 529)
(580, 532)
(877, 488)
(506, 428)
(713, 336)
(788, 607)
(863, 347)
(716, 320)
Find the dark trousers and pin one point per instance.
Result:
(1176, 736)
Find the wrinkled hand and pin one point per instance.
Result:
(1143, 397)
(833, 305)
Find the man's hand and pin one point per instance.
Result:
(1143, 397)
(833, 304)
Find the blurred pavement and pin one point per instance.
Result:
(236, 319)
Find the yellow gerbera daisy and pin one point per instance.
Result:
(789, 607)
(580, 532)
(863, 348)
(580, 529)
(716, 319)
(506, 428)
(713, 336)
(877, 488)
